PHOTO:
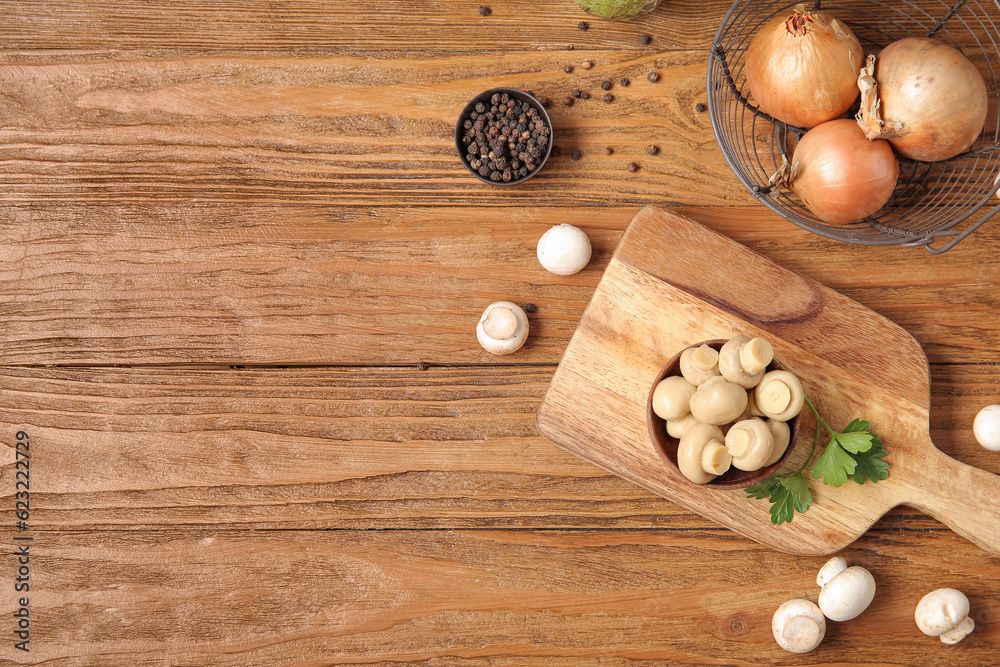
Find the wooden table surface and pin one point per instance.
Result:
(241, 272)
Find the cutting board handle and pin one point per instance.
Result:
(965, 498)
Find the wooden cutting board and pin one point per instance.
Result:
(671, 283)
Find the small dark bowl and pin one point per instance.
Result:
(667, 445)
(484, 97)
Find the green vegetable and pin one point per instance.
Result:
(852, 454)
(617, 9)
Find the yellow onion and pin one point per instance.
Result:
(925, 97)
(802, 67)
(839, 174)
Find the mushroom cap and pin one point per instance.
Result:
(718, 402)
(564, 250)
(782, 435)
(798, 626)
(503, 328)
(986, 427)
(672, 397)
(691, 452)
(750, 443)
(677, 427)
(944, 612)
(699, 364)
(731, 365)
(847, 594)
(779, 395)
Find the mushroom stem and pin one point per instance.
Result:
(959, 632)
(756, 355)
(500, 323)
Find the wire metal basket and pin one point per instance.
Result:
(931, 199)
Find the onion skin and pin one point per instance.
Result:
(802, 67)
(929, 101)
(840, 175)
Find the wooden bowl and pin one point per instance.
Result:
(666, 445)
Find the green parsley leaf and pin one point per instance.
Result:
(762, 489)
(782, 506)
(870, 464)
(857, 426)
(799, 488)
(852, 454)
(834, 465)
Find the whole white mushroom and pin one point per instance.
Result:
(564, 250)
(986, 428)
(798, 626)
(503, 328)
(847, 591)
(944, 613)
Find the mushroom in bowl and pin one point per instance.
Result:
(703, 420)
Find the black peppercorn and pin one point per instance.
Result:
(582, 25)
(644, 39)
(545, 102)
(623, 82)
(632, 166)
(568, 101)
(653, 77)
(652, 150)
(577, 93)
(585, 95)
(700, 107)
(529, 308)
(484, 11)
(608, 97)
(608, 150)
(568, 69)
(605, 85)
(575, 155)
(422, 365)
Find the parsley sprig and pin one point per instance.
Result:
(855, 453)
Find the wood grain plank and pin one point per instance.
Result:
(363, 130)
(193, 598)
(345, 448)
(311, 26)
(279, 284)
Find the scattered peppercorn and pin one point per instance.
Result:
(605, 85)
(484, 11)
(568, 101)
(568, 69)
(652, 150)
(585, 95)
(586, 64)
(506, 140)
(582, 25)
(577, 93)
(608, 150)
(530, 308)
(608, 97)
(422, 365)
(700, 107)
(575, 155)
(632, 166)
(644, 39)
(623, 82)
(544, 101)
(653, 77)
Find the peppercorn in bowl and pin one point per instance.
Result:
(503, 136)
